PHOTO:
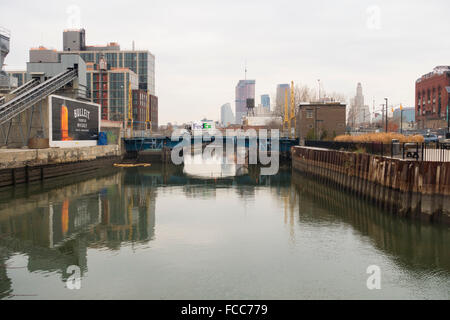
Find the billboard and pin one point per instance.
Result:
(72, 122)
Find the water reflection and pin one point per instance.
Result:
(54, 225)
(411, 244)
(54, 229)
(206, 165)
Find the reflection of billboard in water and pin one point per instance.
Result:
(73, 121)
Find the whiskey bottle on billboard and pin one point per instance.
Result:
(65, 124)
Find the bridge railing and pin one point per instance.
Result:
(431, 151)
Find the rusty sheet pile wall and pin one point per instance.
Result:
(408, 188)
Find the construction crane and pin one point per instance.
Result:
(292, 111)
(286, 112)
(130, 110)
(289, 117)
(148, 124)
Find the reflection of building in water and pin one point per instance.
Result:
(287, 195)
(215, 165)
(128, 215)
(56, 228)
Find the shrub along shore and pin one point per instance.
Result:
(381, 137)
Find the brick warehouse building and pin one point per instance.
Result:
(432, 98)
(323, 120)
(140, 105)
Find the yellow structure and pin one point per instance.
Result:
(293, 117)
(148, 124)
(130, 110)
(286, 112)
(289, 117)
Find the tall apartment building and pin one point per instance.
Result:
(141, 62)
(110, 89)
(433, 98)
(245, 89)
(116, 69)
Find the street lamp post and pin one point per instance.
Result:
(386, 114)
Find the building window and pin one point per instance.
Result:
(309, 114)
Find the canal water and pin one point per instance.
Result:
(210, 232)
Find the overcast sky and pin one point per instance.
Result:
(201, 46)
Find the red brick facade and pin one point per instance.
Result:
(139, 109)
(432, 98)
(154, 112)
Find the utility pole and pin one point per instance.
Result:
(386, 114)
(319, 88)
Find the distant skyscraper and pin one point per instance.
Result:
(265, 101)
(244, 90)
(359, 113)
(226, 115)
(281, 95)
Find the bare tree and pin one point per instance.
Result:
(303, 94)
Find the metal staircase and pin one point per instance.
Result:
(22, 89)
(27, 98)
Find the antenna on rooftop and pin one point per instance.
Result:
(245, 70)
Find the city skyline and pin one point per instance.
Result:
(383, 54)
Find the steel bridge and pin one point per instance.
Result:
(138, 144)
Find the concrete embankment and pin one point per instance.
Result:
(416, 189)
(21, 166)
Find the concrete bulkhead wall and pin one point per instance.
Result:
(407, 188)
(22, 158)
